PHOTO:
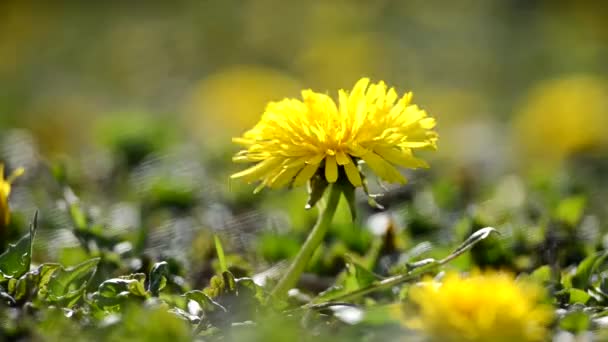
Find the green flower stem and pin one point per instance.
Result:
(313, 241)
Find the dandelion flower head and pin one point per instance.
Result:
(480, 307)
(563, 117)
(5, 190)
(296, 139)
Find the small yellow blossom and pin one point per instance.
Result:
(5, 190)
(296, 139)
(481, 307)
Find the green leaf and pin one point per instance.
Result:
(578, 296)
(116, 286)
(575, 322)
(220, 253)
(316, 188)
(471, 241)
(184, 315)
(541, 275)
(158, 277)
(220, 284)
(20, 289)
(250, 285)
(587, 267)
(29, 284)
(79, 218)
(66, 285)
(359, 276)
(113, 292)
(205, 302)
(421, 268)
(356, 277)
(214, 312)
(571, 209)
(349, 194)
(15, 261)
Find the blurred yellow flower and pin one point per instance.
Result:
(480, 307)
(5, 190)
(563, 117)
(295, 139)
(231, 99)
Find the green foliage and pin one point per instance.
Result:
(586, 269)
(220, 254)
(142, 253)
(67, 285)
(575, 322)
(15, 261)
(570, 210)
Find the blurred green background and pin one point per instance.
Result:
(131, 106)
(209, 67)
(129, 101)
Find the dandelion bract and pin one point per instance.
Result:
(295, 138)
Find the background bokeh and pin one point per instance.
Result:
(208, 67)
(513, 84)
(122, 114)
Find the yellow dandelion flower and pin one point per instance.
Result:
(296, 139)
(5, 190)
(563, 117)
(480, 307)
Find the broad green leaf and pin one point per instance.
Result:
(571, 209)
(213, 312)
(575, 322)
(158, 277)
(541, 275)
(117, 286)
(71, 297)
(15, 261)
(28, 284)
(68, 283)
(586, 269)
(250, 285)
(113, 292)
(204, 301)
(46, 271)
(578, 296)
